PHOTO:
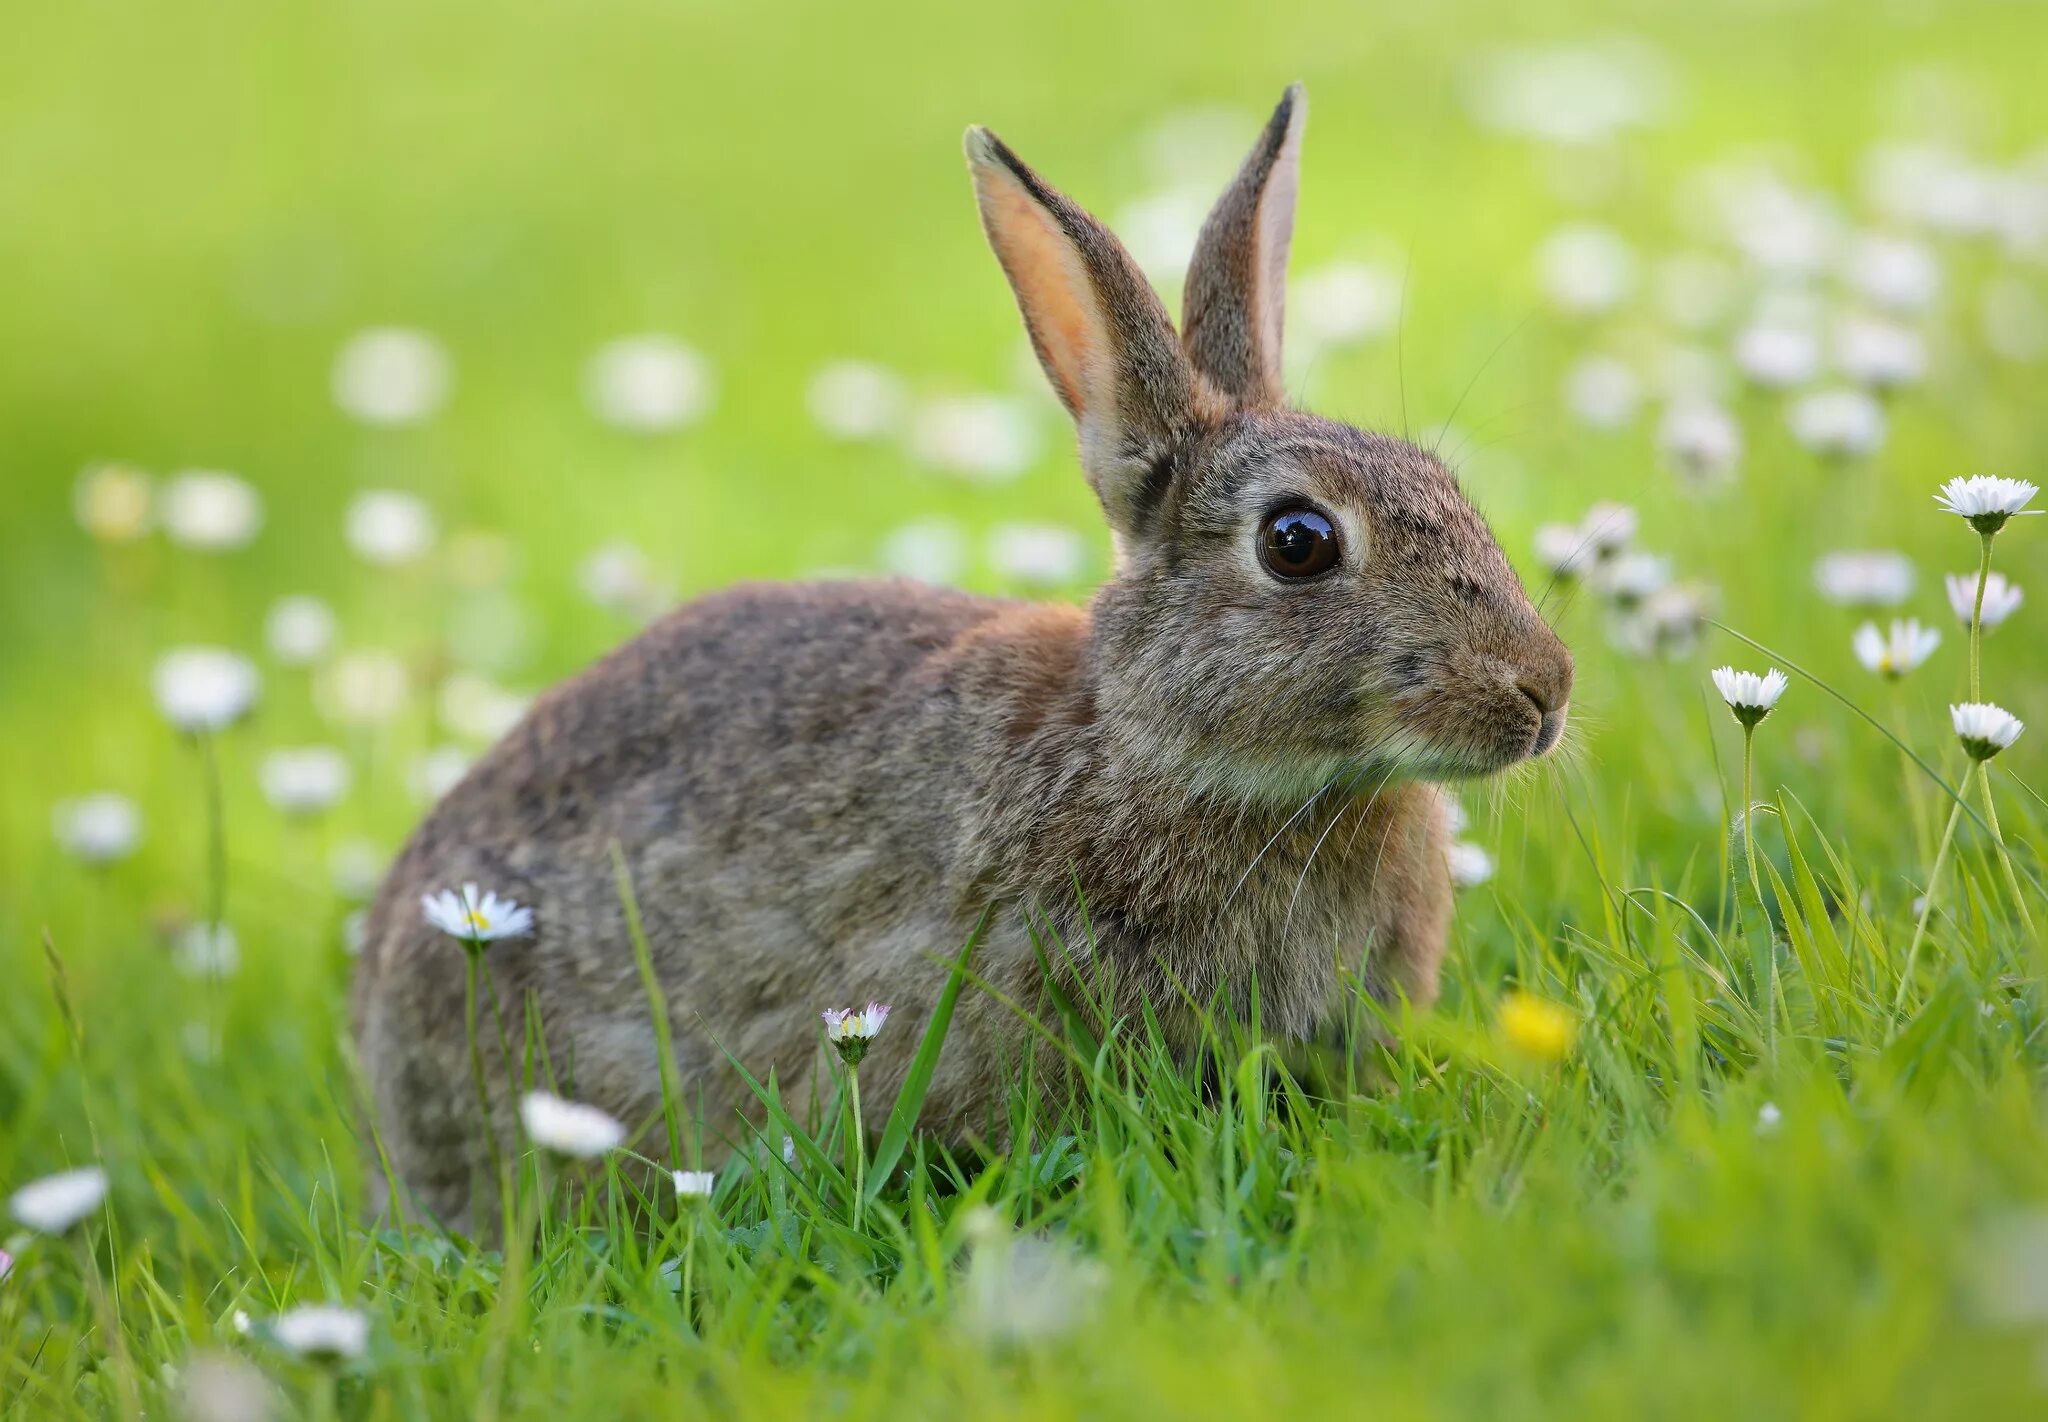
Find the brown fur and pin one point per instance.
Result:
(819, 789)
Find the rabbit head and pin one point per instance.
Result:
(1294, 599)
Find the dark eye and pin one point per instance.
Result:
(1298, 543)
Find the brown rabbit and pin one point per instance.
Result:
(819, 789)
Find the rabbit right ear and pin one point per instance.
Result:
(1100, 331)
(1237, 280)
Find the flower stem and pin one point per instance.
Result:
(1927, 901)
(2012, 879)
(1977, 623)
(858, 1147)
(474, 962)
(1916, 804)
(1765, 953)
(216, 882)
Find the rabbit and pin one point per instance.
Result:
(1221, 776)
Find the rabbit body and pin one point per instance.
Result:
(1214, 781)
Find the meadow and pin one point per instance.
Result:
(406, 358)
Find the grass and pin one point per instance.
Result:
(196, 211)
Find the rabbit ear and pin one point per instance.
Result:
(1237, 281)
(1102, 335)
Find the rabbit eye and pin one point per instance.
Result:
(1297, 544)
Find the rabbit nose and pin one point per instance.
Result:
(1550, 723)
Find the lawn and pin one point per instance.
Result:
(1694, 1131)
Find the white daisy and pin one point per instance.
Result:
(474, 706)
(322, 1333)
(101, 828)
(1344, 303)
(1842, 423)
(1858, 577)
(1749, 695)
(649, 384)
(113, 503)
(1895, 273)
(621, 578)
(694, 1184)
(435, 772)
(211, 511)
(932, 550)
(1777, 357)
(389, 527)
(207, 950)
(1986, 500)
(1471, 865)
(219, 1387)
(366, 687)
(851, 1029)
(391, 376)
(476, 918)
(1586, 269)
(299, 630)
(55, 1203)
(1768, 1118)
(1602, 392)
(1608, 528)
(2001, 598)
(354, 868)
(1891, 654)
(1700, 439)
(1037, 554)
(305, 780)
(1881, 355)
(569, 1128)
(204, 688)
(986, 439)
(1562, 549)
(1984, 729)
(856, 400)
(1633, 577)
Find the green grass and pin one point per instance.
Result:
(196, 210)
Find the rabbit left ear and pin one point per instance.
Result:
(1101, 333)
(1236, 296)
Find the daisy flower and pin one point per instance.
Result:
(1471, 865)
(1700, 439)
(2001, 598)
(1777, 357)
(569, 1128)
(204, 688)
(1984, 729)
(299, 630)
(305, 780)
(212, 512)
(854, 400)
(101, 828)
(1846, 423)
(1562, 549)
(322, 1333)
(388, 527)
(55, 1203)
(1894, 653)
(390, 376)
(694, 1184)
(1986, 500)
(1749, 695)
(476, 919)
(648, 384)
(851, 1029)
(1864, 577)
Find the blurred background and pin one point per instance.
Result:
(418, 353)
